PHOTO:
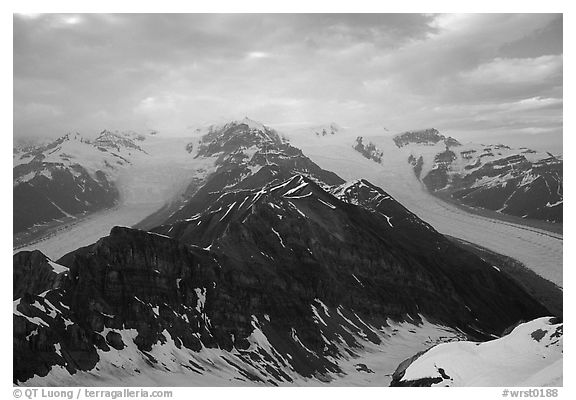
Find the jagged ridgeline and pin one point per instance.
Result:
(273, 271)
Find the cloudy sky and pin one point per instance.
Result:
(471, 76)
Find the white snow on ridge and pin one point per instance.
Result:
(201, 294)
(317, 316)
(279, 237)
(531, 355)
(57, 267)
(179, 366)
(332, 206)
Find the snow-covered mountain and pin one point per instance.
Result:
(529, 356)
(263, 267)
(520, 182)
(139, 173)
(538, 249)
(68, 177)
(240, 150)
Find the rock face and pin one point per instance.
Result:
(68, 177)
(63, 194)
(530, 355)
(33, 273)
(114, 141)
(370, 151)
(519, 182)
(110, 284)
(306, 270)
(425, 137)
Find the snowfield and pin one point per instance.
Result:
(152, 180)
(537, 249)
(371, 365)
(531, 355)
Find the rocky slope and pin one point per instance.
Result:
(519, 182)
(241, 149)
(369, 150)
(34, 273)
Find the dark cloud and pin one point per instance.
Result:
(461, 73)
(546, 40)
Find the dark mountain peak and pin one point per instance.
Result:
(371, 197)
(243, 134)
(362, 192)
(358, 187)
(244, 161)
(295, 225)
(236, 205)
(428, 136)
(360, 184)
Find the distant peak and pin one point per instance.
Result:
(424, 136)
(423, 132)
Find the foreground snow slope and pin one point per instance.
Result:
(531, 355)
(152, 180)
(539, 250)
(367, 365)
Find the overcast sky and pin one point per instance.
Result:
(467, 75)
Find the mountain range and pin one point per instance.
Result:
(267, 269)
(69, 177)
(521, 182)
